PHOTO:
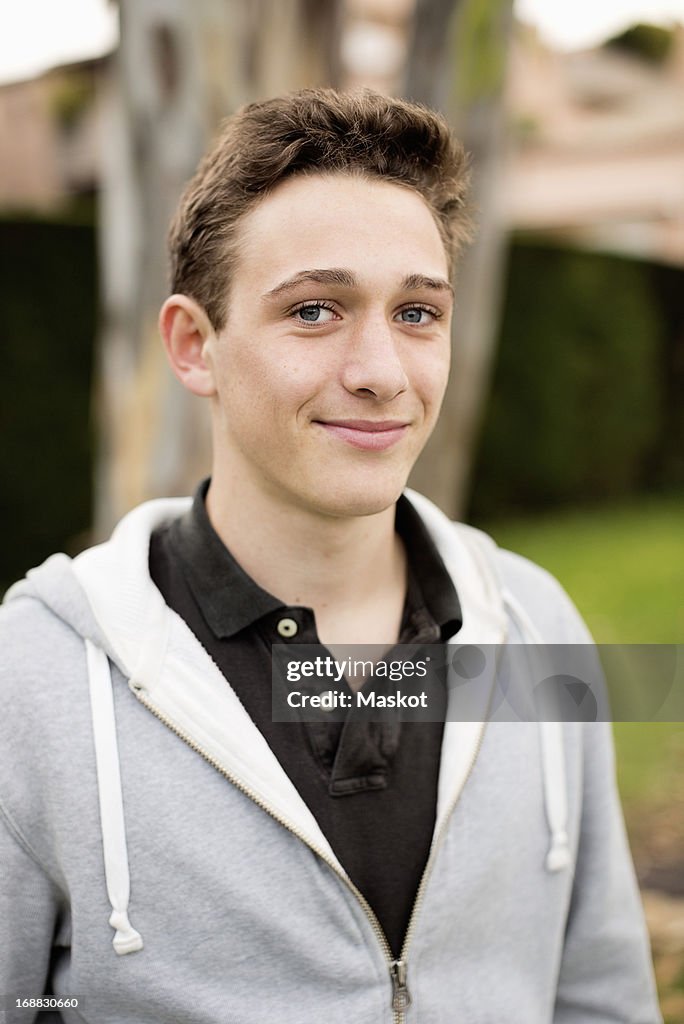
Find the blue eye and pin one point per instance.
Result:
(310, 313)
(416, 315)
(314, 313)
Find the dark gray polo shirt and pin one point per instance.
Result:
(372, 786)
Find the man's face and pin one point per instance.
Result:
(331, 368)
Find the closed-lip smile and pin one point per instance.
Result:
(368, 435)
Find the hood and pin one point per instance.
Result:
(107, 596)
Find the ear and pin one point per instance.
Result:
(185, 328)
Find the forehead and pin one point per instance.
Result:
(379, 229)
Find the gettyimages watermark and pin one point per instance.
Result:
(491, 682)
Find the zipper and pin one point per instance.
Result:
(402, 996)
(398, 969)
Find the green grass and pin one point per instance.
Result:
(650, 762)
(623, 565)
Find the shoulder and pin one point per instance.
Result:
(489, 578)
(32, 638)
(42, 678)
(45, 731)
(529, 589)
(542, 596)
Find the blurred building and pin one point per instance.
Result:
(598, 147)
(597, 137)
(50, 127)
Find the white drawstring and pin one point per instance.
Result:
(126, 939)
(553, 759)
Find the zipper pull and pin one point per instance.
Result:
(401, 997)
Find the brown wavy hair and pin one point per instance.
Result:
(312, 131)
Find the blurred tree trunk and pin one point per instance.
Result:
(181, 66)
(457, 63)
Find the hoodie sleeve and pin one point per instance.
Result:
(28, 916)
(606, 972)
(34, 721)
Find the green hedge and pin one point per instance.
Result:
(667, 468)
(47, 326)
(649, 42)
(577, 404)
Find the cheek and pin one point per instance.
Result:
(301, 373)
(430, 376)
(257, 387)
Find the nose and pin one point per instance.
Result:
(373, 365)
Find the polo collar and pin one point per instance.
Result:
(215, 577)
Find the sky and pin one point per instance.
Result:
(37, 34)
(576, 24)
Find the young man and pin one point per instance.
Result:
(170, 851)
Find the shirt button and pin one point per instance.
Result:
(287, 627)
(329, 697)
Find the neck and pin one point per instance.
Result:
(301, 556)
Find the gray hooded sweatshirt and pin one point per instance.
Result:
(157, 864)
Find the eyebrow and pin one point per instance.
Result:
(415, 281)
(332, 275)
(345, 279)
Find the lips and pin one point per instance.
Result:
(367, 435)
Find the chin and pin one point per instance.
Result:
(354, 498)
